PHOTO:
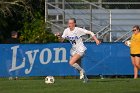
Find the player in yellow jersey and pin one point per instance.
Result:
(135, 49)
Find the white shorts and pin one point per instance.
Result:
(73, 52)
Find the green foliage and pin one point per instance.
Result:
(36, 32)
(27, 17)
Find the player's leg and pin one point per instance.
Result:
(135, 68)
(73, 62)
(79, 63)
(137, 62)
(74, 58)
(82, 72)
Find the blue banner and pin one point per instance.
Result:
(52, 59)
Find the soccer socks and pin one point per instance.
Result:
(75, 65)
(82, 72)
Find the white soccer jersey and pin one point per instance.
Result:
(75, 38)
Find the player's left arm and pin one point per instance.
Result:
(94, 37)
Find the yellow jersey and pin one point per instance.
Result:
(135, 44)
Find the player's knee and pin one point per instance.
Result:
(137, 65)
(133, 63)
(71, 63)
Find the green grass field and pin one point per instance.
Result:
(71, 86)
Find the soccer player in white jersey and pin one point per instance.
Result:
(73, 34)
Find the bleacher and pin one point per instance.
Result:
(117, 22)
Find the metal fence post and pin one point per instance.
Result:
(46, 10)
(110, 24)
(90, 17)
(63, 6)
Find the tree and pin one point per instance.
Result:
(35, 31)
(7, 7)
(27, 17)
(11, 12)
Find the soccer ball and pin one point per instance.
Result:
(49, 80)
(128, 43)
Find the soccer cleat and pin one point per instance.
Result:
(82, 74)
(10, 78)
(85, 79)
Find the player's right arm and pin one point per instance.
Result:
(62, 37)
(59, 36)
